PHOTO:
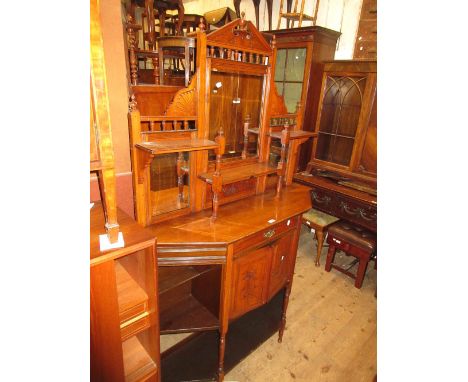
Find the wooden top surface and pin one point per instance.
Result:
(235, 220)
(322, 182)
(236, 174)
(298, 134)
(176, 145)
(135, 237)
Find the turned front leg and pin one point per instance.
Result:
(222, 340)
(283, 315)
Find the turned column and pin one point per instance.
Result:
(217, 184)
(285, 135)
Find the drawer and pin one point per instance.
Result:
(358, 213)
(135, 325)
(323, 201)
(267, 235)
(365, 49)
(369, 9)
(367, 31)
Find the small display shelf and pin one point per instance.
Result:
(188, 316)
(133, 300)
(185, 305)
(167, 146)
(299, 134)
(237, 174)
(171, 277)
(138, 364)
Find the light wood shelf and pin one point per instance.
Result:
(189, 315)
(167, 146)
(138, 365)
(172, 277)
(298, 134)
(132, 299)
(237, 174)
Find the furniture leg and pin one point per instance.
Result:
(106, 178)
(222, 347)
(330, 257)
(361, 272)
(320, 236)
(283, 314)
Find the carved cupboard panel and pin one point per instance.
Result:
(250, 275)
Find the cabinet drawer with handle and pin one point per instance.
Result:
(266, 235)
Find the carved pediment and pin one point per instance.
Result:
(240, 34)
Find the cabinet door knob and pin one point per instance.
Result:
(269, 233)
(282, 258)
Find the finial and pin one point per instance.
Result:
(132, 105)
(129, 18)
(202, 24)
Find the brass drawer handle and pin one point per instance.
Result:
(269, 233)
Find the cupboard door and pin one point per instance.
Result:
(250, 280)
(282, 258)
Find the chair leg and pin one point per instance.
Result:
(319, 234)
(361, 272)
(330, 257)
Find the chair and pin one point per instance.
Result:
(354, 241)
(181, 51)
(295, 15)
(319, 221)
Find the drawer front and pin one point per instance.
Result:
(367, 31)
(358, 213)
(135, 326)
(366, 49)
(369, 9)
(345, 208)
(323, 201)
(267, 235)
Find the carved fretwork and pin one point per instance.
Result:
(184, 103)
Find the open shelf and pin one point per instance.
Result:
(172, 277)
(166, 146)
(132, 299)
(237, 174)
(298, 134)
(138, 365)
(189, 315)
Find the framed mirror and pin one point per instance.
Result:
(236, 98)
(169, 183)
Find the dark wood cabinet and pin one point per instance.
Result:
(347, 121)
(298, 70)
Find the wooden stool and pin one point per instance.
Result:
(354, 241)
(319, 221)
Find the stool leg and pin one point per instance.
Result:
(361, 272)
(319, 234)
(330, 257)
